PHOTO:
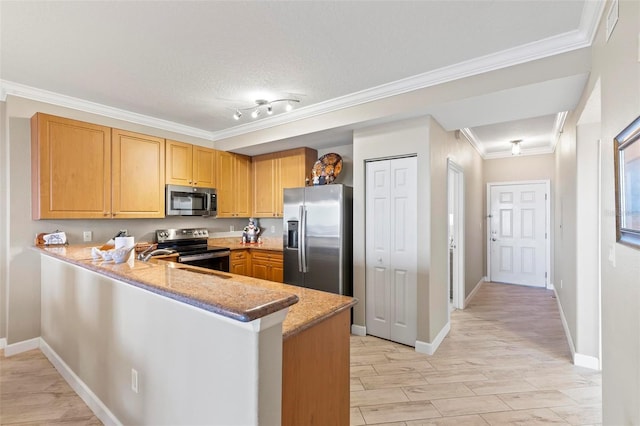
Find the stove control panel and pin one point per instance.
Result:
(163, 235)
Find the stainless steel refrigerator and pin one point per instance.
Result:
(318, 237)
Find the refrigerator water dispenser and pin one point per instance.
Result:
(292, 234)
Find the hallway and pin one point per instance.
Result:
(505, 361)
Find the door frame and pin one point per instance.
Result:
(458, 296)
(547, 230)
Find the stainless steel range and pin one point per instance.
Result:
(191, 245)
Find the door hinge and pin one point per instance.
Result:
(545, 235)
(545, 275)
(545, 196)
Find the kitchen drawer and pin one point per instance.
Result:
(267, 255)
(239, 255)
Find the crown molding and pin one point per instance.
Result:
(20, 90)
(573, 40)
(473, 140)
(563, 43)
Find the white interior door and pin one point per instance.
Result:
(518, 233)
(391, 249)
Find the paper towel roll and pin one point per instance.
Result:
(124, 242)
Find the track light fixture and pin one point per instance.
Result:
(263, 104)
(515, 147)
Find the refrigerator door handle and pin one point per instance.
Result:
(300, 239)
(302, 244)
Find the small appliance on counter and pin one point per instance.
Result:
(191, 201)
(192, 248)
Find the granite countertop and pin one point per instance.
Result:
(268, 243)
(234, 296)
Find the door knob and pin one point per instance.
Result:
(379, 260)
(493, 239)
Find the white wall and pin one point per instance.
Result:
(20, 302)
(433, 147)
(4, 207)
(587, 337)
(194, 367)
(615, 65)
(409, 137)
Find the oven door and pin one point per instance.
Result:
(217, 260)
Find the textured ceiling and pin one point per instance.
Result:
(194, 63)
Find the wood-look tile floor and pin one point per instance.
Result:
(506, 361)
(33, 393)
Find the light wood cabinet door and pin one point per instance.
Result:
(226, 198)
(204, 167)
(71, 168)
(190, 165)
(179, 164)
(264, 184)
(243, 186)
(239, 262)
(234, 185)
(274, 172)
(138, 175)
(267, 265)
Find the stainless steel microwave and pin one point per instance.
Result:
(191, 201)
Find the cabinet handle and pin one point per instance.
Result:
(190, 182)
(107, 213)
(195, 183)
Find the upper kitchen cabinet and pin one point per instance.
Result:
(190, 165)
(276, 171)
(85, 171)
(234, 185)
(138, 175)
(71, 168)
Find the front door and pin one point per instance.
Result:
(518, 233)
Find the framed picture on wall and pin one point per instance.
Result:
(627, 180)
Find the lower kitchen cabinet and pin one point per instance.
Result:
(267, 265)
(239, 262)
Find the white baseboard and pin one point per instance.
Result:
(358, 330)
(580, 360)
(431, 348)
(19, 347)
(565, 325)
(474, 292)
(550, 287)
(93, 402)
(586, 361)
(3, 343)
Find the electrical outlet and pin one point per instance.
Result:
(273, 229)
(560, 283)
(134, 380)
(231, 228)
(87, 236)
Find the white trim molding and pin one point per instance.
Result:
(91, 399)
(24, 346)
(3, 343)
(572, 40)
(431, 348)
(358, 330)
(579, 359)
(22, 91)
(474, 292)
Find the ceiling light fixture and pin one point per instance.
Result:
(263, 104)
(515, 147)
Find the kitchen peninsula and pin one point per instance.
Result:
(161, 343)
